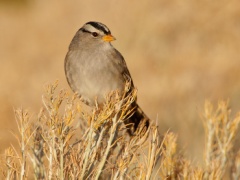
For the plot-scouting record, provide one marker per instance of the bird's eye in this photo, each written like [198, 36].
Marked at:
[95, 34]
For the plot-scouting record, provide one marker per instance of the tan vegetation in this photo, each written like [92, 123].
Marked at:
[98, 145]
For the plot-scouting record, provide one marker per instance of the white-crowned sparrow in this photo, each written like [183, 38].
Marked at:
[94, 68]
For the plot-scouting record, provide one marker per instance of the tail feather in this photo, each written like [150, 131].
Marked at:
[136, 119]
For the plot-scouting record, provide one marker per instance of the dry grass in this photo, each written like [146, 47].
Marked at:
[54, 146]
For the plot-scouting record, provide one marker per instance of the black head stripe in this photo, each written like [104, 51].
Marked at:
[100, 27]
[84, 30]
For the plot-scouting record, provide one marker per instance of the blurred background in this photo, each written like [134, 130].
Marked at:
[179, 53]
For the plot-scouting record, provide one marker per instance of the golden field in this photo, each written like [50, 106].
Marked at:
[179, 53]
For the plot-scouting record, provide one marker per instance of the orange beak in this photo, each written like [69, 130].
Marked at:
[108, 38]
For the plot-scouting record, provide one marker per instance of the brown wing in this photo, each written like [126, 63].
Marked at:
[125, 72]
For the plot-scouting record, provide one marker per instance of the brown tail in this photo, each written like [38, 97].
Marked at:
[137, 119]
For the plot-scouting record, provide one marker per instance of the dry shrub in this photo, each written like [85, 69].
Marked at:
[67, 142]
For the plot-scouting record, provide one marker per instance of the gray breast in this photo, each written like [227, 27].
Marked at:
[95, 75]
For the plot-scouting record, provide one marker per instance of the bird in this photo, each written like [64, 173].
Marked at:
[94, 68]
